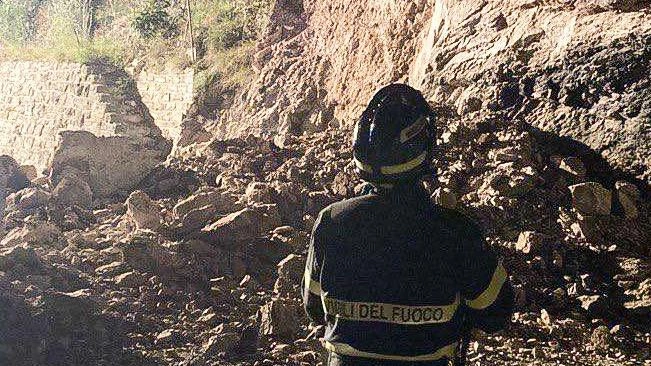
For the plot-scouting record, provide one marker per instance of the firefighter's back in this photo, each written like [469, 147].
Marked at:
[390, 278]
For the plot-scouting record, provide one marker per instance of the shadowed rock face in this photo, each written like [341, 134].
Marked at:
[576, 69]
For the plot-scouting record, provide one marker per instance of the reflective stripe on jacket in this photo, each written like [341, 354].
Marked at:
[389, 275]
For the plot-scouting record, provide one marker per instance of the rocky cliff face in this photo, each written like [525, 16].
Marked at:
[577, 69]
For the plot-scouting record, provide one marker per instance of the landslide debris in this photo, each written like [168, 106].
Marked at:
[200, 265]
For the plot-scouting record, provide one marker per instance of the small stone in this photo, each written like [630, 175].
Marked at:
[144, 212]
[595, 305]
[280, 318]
[573, 165]
[544, 317]
[628, 195]
[168, 337]
[445, 197]
[529, 242]
[129, 279]
[223, 342]
[591, 198]
[290, 272]
[601, 339]
[258, 192]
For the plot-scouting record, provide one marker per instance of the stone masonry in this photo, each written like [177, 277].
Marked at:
[168, 94]
[38, 100]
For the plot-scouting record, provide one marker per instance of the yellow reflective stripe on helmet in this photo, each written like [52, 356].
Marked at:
[389, 313]
[347, 350]
[404, 167]
[412, 130]
[312, 285]
[362, 166]
[486, 298]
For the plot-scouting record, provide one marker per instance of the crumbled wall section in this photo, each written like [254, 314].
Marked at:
[38, 100]
[168, 94]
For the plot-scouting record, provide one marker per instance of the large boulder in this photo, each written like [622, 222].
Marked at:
[111, 165]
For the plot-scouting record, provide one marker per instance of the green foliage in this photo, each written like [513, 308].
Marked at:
[12, 20]
[228, 23]
[155, 20]
[16, 20]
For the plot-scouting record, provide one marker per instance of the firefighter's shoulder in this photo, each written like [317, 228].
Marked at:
[459, 223]
[342, 210]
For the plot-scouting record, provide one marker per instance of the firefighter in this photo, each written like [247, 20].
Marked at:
[393, 277]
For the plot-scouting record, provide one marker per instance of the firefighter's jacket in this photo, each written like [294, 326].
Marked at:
[392, 275]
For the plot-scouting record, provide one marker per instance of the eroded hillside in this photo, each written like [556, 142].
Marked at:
[544, 116]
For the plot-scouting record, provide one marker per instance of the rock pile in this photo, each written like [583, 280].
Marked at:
[201, 264]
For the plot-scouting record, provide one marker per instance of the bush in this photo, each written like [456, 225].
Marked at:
[228, 23]
[155, 20]
[16, 20]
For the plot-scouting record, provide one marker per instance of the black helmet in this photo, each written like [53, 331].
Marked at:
[393, 138]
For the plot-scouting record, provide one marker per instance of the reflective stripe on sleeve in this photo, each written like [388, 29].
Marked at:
[404, 167]
[362, 166]
[312, 285]
[486, 298]
[389, 313]
[347, 350]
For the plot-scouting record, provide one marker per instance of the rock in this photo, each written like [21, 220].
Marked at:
[168, 337]
[224, 342]
[573, 165]
[529, 242]
[29, 171]
[111, 268]
[193, 132]
[342, 184]
[601, 339]
[245, 224]
[143, 212]
[31, 198]
[129, 279]
[280, 318]
[258, 192]
[19, 257]
[12, 179]
[628, 196]
[290, 273]
[72, 190]
[197, 218]
[219, 200]
[595, 305]
[591, 198]
[445, 197]
[39, 234]
[112, 164]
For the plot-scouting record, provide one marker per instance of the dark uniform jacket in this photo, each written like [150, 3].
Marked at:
[392, 276]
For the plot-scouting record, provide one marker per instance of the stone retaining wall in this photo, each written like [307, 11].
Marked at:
[38, 100]
[168, 94]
